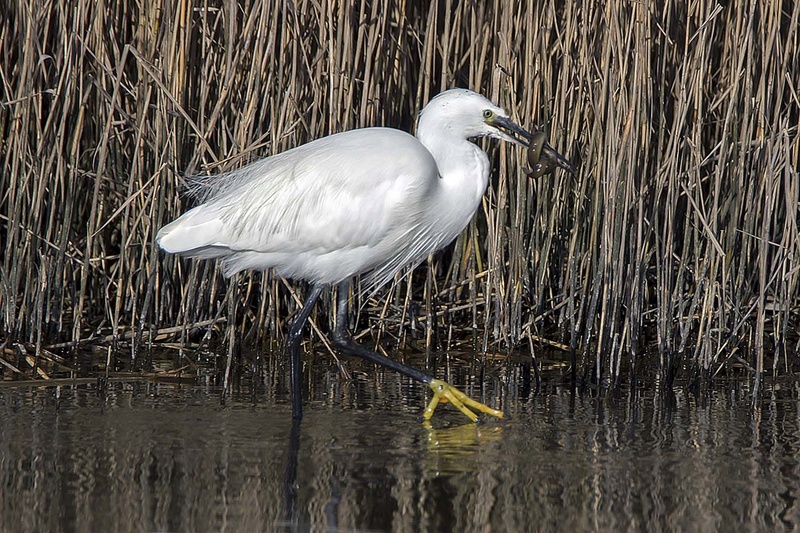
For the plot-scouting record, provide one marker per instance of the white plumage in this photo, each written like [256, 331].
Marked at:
[370, 200]
[367, 201]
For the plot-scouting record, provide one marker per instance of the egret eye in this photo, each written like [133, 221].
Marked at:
[488, 113]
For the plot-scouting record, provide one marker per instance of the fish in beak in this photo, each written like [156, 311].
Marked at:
[542, 158]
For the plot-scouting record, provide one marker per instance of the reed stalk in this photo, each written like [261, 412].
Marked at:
[676, 242]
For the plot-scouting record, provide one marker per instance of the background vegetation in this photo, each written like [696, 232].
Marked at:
[677, 242]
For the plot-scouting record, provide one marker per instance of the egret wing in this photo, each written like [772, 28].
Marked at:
[343, 192]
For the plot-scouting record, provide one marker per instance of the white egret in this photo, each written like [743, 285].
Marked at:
[363, 202]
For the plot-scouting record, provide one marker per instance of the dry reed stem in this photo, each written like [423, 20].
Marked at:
[678, 239]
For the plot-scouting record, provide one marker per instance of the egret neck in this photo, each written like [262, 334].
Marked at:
[463, 172]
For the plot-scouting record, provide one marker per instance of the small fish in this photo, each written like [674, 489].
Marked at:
[543, 159]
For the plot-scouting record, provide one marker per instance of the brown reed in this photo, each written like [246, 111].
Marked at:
[678, 239]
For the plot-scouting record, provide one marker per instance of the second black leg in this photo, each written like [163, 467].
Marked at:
[293, 343]
[345, 343]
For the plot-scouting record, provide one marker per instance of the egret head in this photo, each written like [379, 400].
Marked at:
[466, 114]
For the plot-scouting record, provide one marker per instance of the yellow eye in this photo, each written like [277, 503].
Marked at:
[488, 113]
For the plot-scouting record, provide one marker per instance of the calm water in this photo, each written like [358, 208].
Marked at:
[146, 456]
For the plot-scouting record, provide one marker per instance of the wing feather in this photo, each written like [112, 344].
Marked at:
[348, 191]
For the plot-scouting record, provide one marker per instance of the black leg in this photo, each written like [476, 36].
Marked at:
[293, 343]
[345, 343]
[290, 476]
[441, 390]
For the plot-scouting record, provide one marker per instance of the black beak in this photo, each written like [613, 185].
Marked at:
[542, 158]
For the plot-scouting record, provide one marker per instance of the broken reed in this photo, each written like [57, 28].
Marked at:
[680, 231]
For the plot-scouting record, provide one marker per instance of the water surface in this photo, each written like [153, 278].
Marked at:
[147, 456]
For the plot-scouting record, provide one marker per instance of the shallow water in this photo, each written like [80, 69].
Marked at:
[146, 456]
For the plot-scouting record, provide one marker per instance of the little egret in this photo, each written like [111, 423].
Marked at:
[363, 202]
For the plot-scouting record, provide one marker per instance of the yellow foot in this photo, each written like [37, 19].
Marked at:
[442, 392]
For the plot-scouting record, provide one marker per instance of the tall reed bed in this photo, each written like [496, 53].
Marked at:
[677, 240]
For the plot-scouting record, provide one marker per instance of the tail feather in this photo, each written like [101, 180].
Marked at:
[193, 234]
